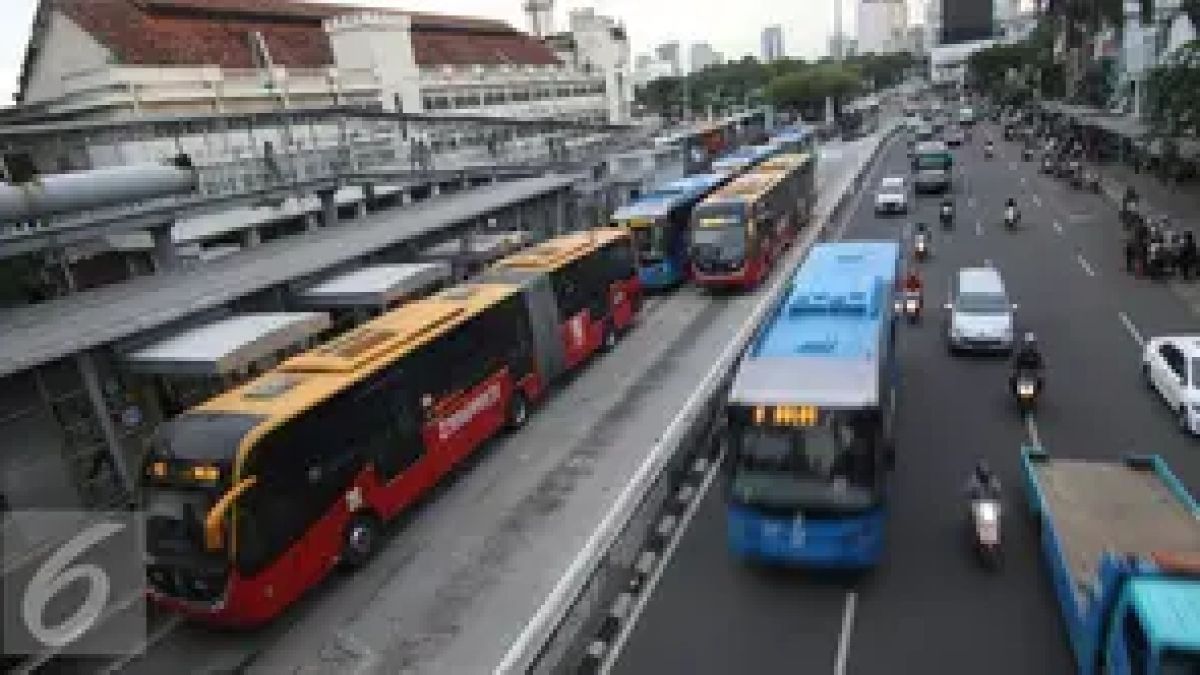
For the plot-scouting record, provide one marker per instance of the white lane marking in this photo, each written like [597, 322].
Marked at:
[152, 639]
[643, 599]
[1024, 180]
[979, 228]
[843, 647]
[1032, 430]
[1012, 166]
[1084, 264]
[971, 203]
[1133, 331]
[1058, 227]
[1036, 200]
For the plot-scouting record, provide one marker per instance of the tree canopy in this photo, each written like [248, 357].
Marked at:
[1173, 92]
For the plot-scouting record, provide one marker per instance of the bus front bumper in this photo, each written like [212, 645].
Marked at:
[852, 542]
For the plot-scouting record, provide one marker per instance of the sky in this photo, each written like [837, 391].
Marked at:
[732, 27]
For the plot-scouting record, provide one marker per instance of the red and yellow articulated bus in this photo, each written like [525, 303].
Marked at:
[738, 232]
[254, 496]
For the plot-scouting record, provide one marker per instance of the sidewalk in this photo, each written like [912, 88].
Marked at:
[1178, 201]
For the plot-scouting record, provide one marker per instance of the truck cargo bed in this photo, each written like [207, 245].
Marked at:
[1099, 507]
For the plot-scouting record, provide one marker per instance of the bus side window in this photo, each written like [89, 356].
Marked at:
[1136, 643]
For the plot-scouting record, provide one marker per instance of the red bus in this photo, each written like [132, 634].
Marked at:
[739, 231]
[254, 496]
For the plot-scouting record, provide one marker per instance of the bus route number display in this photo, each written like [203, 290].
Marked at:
[787, 415]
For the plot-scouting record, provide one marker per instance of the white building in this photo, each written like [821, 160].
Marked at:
[948, 63]
[115, 59]
[1143, 46]
[933, 23]
[702, 55]
[650, 69]
[882, 26]
[772, 43]
[599, 45]
[670, 53]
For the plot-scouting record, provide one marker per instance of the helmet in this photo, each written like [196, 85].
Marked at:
[982, 470]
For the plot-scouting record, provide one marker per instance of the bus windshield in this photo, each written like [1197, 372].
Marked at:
[651, 242]
[721, 238]
[829, 466]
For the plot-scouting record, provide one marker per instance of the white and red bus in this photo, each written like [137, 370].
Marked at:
[739, 231]
[254, 496]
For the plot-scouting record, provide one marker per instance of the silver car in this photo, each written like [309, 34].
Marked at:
[980, 314]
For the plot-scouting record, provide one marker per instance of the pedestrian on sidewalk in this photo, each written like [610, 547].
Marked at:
[1188, 256]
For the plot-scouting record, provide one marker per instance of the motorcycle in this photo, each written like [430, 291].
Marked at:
[921, 247]
[1047, 165]
[1091, 181]
[1027, 154]
[988, 150]
[985, 529]
[947, 216]
[911, 304]
[1025, 391]
[1011, 217]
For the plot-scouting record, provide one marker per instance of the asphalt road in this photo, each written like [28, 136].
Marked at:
[458, 579]
[929, 608]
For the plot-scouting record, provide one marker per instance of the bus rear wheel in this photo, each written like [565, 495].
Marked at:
[360, 540]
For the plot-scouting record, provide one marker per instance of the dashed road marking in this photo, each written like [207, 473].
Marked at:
[971, 203]
[1032, 430]
[843, 646]
[1058, 227]
[1036, 200]
[1133, 331]
[1084, 264]
[979, 228]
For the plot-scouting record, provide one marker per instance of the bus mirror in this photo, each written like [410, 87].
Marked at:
[214, 522]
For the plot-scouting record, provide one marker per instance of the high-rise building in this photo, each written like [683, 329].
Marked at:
[702, 55]
[772, 43]
[882, 26]
[966, 21]
[669, 52]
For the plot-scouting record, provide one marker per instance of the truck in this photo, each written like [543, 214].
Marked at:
[1121, 540]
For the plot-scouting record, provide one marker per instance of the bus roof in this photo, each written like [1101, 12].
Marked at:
[750, 186]
[821, 344]
[1169, 609]
[560, 251]
[660, 201]
[307, 378]
[750, 153]
[796, 133]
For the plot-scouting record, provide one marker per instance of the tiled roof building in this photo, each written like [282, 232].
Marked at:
[116, 58]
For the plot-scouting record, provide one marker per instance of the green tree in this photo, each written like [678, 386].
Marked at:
[1173, 93]
[806, 90]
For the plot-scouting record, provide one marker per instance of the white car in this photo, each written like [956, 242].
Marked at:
[980, 315]
[1171, 365]
[892, 196]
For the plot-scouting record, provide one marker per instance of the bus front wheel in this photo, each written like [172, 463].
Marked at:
[361, 540]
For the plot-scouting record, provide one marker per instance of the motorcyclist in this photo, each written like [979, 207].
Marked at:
[1011, 210]
[1188, 255]
[947, 209]
[982, 484]
[988, 148]
[1027, 359]
[912, 282]
[922, 232]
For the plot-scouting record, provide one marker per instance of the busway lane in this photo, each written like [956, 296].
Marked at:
[458, 576]
[711, 614]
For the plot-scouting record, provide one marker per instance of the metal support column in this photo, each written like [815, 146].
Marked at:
[559, 213]
[165, 256]
[329, 209]
[311, 221]
[86, 362]
[251, 237]
[435, 189]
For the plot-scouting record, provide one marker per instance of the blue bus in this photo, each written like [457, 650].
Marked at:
[811, 415]
[737, 161]
[658, 221]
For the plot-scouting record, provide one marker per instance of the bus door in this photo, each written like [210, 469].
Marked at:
[617, 269]
[550, 355]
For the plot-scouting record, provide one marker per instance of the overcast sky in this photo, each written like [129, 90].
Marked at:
[732, 26]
